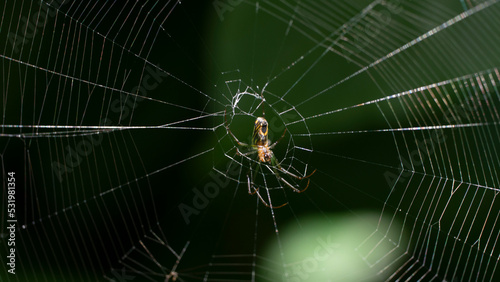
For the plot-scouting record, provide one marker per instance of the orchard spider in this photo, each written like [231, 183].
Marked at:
[263, 147]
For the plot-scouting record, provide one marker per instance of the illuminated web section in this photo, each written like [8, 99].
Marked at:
[119, 121]
[447, 184]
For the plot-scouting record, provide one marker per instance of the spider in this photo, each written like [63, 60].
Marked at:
[263, 147]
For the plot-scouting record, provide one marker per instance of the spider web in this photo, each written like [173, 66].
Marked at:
[114, 121]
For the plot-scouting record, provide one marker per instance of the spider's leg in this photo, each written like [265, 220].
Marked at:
[247, 153]
[256, 190]
[295, 176]
[276, 165]
[291, 186]
[275, 143]
[269, 206]
[252, 181]
[230, 132]
[277, 168]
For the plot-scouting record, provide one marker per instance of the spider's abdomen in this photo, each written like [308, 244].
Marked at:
[260, 132]
[265, 154]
